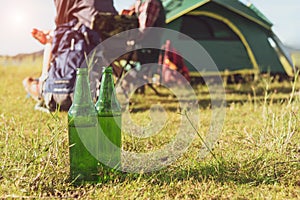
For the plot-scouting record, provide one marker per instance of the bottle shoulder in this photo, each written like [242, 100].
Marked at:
[81, 110]
[108, 107]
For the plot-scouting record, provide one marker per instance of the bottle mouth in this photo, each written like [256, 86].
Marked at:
[107, 70]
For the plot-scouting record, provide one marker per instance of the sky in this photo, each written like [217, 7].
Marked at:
[18, 17]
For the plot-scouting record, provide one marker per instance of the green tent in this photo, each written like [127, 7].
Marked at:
[238, 37]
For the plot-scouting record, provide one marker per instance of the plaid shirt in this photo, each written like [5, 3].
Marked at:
[147, 12]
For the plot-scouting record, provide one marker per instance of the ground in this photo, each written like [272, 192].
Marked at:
[256, 156]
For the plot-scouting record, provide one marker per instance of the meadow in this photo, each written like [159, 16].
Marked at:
[257, 154]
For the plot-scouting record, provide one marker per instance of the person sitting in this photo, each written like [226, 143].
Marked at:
[73, 14]
[150, 13]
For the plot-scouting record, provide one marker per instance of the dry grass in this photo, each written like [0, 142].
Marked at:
[257, 155]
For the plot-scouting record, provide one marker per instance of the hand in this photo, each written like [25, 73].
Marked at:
[42, 36]
[127, 12]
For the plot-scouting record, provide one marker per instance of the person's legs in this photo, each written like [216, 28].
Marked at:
[148, 57]
[33, 86]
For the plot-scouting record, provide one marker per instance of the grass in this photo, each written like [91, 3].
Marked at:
[296, 58]
[257, 155]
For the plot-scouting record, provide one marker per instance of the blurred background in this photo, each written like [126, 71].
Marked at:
[18, 17]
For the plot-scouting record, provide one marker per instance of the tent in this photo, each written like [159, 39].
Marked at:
[238, 37]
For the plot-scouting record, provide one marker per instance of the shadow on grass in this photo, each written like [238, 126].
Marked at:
[278, 93]
[204, 103]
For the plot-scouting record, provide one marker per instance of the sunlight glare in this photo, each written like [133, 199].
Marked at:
[18, 18]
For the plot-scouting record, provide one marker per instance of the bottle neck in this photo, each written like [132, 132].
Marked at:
[82, 94]
[107, 102]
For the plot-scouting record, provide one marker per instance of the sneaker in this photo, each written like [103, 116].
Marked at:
[32, 87]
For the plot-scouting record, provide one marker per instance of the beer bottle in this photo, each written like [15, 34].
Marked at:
[109, 119]
[83, 133]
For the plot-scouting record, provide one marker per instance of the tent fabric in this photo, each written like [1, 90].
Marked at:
[252, 14]
[181, 7]
[236, 36]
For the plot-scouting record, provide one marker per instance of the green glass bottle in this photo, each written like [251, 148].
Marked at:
[83, 133]
[109, 119]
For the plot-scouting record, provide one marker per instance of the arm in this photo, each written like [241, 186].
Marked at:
[45, 38]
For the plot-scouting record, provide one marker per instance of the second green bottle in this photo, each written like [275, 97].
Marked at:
[109, 119]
